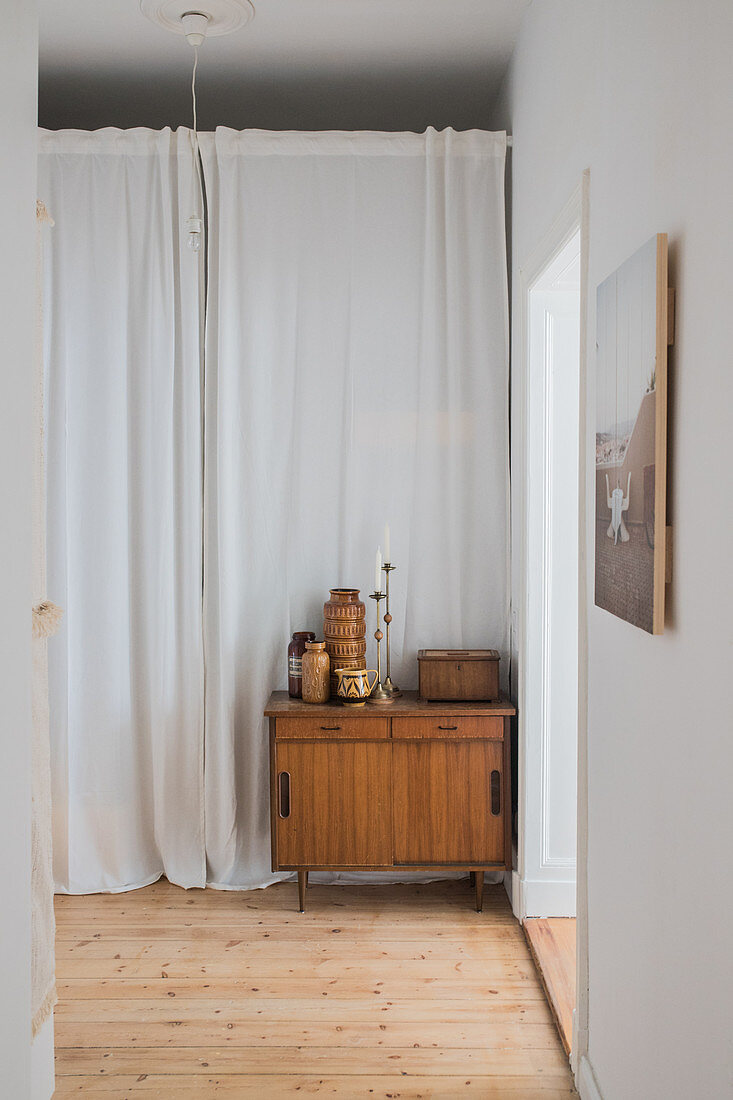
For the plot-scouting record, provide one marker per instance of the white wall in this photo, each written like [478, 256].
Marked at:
[641, 92]
[18, 53]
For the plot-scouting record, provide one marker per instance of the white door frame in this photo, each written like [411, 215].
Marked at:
[575, 214]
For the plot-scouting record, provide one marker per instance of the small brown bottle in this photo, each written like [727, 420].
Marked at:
[296, 649]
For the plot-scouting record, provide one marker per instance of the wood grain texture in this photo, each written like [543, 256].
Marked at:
[340, 806]
[267, 1087]
[444, 772]
[338, 725]
[280, 705]
[507, 795]
[446, 674]
[552, 942]
[660, 435]
[234, 1006]
[446, 727]
[441, 798]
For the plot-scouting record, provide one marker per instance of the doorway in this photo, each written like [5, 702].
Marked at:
[544, 886]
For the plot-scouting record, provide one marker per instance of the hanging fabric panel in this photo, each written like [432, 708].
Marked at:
[356, 373]
[124, 512]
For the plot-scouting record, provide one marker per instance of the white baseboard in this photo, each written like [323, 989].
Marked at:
[574, 1060]
[586, 1081]
[509, 886]
[515, 895]
[543, 898]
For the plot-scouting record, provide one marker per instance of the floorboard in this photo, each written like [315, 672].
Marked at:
[376, 991]
[552, 943]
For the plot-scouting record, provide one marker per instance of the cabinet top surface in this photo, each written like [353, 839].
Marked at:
[280, 705]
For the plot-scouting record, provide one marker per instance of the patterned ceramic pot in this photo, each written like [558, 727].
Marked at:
[354, 686]
[338, 650]
[316, 673]
[344, 629]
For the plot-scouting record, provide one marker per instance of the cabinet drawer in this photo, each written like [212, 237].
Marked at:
[336, 727]
[443, 727]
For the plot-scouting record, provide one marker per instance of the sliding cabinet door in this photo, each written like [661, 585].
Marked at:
[334, 803]
[448, 800]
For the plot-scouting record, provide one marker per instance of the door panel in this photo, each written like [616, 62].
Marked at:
[445, 810]
[340, 803]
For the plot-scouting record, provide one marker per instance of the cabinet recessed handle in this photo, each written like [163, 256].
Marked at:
[331, 728]
[496, 793]
[283, 792]
[447, 727]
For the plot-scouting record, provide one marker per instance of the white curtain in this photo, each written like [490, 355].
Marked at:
[356, 373]
[124, 512]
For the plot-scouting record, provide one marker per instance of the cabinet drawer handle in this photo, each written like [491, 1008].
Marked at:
[283, 794]
[447, 727]
[496, 793]
[330, 728]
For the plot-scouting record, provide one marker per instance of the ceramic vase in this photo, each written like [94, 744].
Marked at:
[316, 673]
[344, 629]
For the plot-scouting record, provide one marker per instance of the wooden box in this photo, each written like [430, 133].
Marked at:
[458, 674]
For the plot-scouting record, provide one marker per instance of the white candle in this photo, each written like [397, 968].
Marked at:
[387, 558]
[378, 571]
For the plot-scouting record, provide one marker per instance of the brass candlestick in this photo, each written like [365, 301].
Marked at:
[389, 687]
[379, 695]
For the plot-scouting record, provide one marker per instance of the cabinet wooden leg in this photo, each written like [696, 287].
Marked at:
[479, 884]
[302, 886]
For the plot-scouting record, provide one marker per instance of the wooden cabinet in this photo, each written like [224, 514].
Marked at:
[418, 785]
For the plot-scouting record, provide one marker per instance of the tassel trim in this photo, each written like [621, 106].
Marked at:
[44, 1010]
[42, 213]
[46, 619]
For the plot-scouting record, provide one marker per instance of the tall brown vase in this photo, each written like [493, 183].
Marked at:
[344, 629]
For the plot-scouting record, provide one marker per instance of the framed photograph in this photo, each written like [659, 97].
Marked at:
[631, 438]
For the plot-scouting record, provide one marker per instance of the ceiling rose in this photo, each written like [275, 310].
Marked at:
[223, 16]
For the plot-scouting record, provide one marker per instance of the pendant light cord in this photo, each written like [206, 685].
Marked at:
[193, 88]
[196, 181]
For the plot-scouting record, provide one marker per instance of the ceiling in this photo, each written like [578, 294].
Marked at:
[89, 47]
[112, 36]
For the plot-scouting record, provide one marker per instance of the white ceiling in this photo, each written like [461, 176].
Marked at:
[111, 38]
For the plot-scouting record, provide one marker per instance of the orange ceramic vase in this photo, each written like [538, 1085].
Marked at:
[344, 628]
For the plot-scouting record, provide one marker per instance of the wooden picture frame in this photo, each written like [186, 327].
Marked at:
[632, 336]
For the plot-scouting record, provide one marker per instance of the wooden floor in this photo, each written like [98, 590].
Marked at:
[552, 943]
[376, 991]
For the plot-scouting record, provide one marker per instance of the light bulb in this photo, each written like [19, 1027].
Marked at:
[194, 226]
